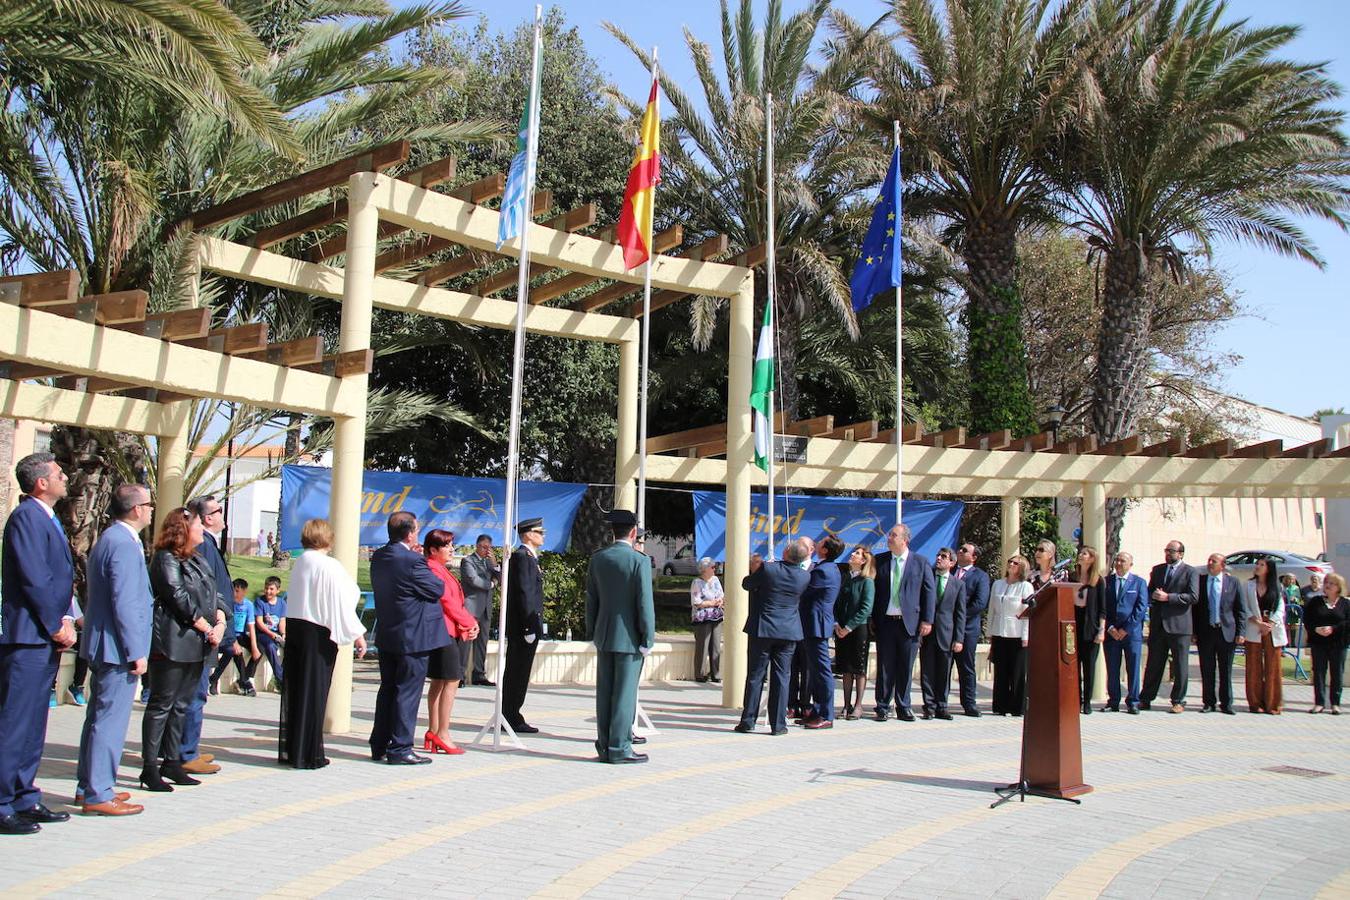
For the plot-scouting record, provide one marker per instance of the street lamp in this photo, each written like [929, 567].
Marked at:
[1053, 418]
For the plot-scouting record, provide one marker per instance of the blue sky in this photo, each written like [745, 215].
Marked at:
[1297, 321]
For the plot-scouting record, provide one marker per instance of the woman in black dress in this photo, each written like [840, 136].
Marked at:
[1090, 618]
[1326, 616]
[852, 613]
[320, 616]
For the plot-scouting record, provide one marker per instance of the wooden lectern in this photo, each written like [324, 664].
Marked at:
[1052, 746]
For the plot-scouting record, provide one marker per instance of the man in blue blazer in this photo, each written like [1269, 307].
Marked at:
[949, 631]
[1218, 625]
[36, 583]
[817, 612]
[409, 626]
[774, 626]
[976, 581]
[117, 620]
[1125, 603]
[902, 613]
[212, 513]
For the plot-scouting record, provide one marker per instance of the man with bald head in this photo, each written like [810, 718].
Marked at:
[902, 613]
[1216, 614]
[774, 627]
[1124, 603]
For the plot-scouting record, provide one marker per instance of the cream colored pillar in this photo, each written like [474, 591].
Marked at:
[625, 446]
[1094, 536]
[740, 461]
[349, 434]
[1011, 528]
[174, 455]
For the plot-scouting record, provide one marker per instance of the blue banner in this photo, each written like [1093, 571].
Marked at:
[466, 506]
[933, 524]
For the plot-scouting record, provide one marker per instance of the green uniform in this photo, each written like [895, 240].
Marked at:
[620, 619]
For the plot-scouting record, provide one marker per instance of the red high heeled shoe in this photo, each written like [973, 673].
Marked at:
[435, 744]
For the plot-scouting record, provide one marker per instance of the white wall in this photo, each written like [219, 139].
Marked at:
[1338, 511]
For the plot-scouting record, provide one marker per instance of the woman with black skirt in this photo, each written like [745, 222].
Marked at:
[447, 664]
[1008, 637]
[1090, 619]
[852, 615]
[320, 617]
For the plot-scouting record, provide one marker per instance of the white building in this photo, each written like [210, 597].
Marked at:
[251, 502]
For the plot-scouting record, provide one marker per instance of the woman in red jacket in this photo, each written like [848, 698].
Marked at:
[446, 667]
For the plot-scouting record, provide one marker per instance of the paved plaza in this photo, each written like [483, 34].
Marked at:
[1184, 806]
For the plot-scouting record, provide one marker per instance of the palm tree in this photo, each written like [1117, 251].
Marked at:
[1203, 133]
[979, 88]
[714, 176]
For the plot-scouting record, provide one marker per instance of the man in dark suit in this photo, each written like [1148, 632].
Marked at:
[117, 621]
[774, 625]
[1172, 587]
[817, 612]
[902, 613]
[976, 582]
[946, 638]
[1124, 603]
[478, 573]
[524, 622]
[1216, 616]
[36, 582]
[212, 513]
[621, 620]
[409, 626]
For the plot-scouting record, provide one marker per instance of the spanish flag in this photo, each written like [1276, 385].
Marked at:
[639, 198]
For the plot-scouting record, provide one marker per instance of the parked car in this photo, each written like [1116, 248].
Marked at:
[1241, 564]
[684, 562]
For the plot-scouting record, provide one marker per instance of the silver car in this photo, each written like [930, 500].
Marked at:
[1241, 564]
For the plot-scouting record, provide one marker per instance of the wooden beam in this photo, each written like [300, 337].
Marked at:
[374, 160]
[1034, 443]
[952, 437]
[858, 431]
[1220, 449]
[913, 434]
[179, 325]
[299, 352]
[482, 190]
[1312, 450]
[816, 427]
[426, 246]
[994, 440]
[118, 308]
[1079, 445]
[233, 341]
[17, 371]
[709, 249]
[463, 264]
[40, 288]
[1338, 454]
[661, 242]
[755, 256]
[48, 404]
[1175, 446]
[569, 281]
[1262, 450]
[340, 365]
[1123, 447]
[573, 220]
[692, 437]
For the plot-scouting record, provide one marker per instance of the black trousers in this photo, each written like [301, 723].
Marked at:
[1087, 672]
[965, 670]
[896, 649]
[244, 663]
[799, 680]
[401, 678]
[516, 680]
[935, 674]
[1328, 673]
[1216, 659]
[1010, 674]
[172, 688]
[774, 658]
[1160, 646]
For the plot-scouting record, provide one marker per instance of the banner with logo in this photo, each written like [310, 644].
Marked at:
[933, 524]
[466, 506]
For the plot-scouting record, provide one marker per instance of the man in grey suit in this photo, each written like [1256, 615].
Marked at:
[947, 636]
[1217, 612]
[117, 623]
[1172, 589]
[478, 572]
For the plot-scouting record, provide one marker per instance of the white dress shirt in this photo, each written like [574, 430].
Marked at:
[1007, 601]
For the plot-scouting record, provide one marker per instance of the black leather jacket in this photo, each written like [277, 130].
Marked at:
[185, 590]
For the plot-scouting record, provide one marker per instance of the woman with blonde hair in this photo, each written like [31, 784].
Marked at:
[852, 615]
[1326, 615]
[1263, 605]
[1090, 621]
[1008, 636]
[321, 617]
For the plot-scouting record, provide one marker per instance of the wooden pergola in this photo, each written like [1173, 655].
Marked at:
[107, 363]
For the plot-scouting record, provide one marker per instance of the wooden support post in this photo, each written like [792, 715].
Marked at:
[740, 460]
[625, 445]
[1011, 543]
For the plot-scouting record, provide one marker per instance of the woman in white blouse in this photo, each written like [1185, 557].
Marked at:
[1264, 634]
[705, 608]
[1008, 636]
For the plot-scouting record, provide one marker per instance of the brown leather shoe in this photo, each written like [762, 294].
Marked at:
[200, 766]
[206, 757]
[113, 807]
[124, 796]
[1178, 708]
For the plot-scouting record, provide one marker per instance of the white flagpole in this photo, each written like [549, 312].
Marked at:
[771, 291]
[899, 356]
[498, 724]
[646, 345]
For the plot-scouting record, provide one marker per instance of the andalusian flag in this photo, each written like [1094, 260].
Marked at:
[520, 178]
[639, 198]
[761, 391]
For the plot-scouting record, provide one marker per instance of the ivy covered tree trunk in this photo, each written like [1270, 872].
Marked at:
[1000, 396]
[1122, 362]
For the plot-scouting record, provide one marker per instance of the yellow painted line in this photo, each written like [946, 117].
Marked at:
[1337, 888]
[372, 857]
[1095, 874]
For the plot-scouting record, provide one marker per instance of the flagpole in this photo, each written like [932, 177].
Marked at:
[771, 290]
[510, 514]
[899, 348]
[646, 344]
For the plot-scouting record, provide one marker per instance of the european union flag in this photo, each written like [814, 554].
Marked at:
[878, 266]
